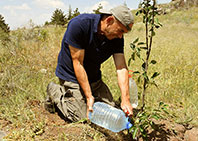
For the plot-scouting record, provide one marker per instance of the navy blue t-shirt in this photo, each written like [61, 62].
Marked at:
[82, 33]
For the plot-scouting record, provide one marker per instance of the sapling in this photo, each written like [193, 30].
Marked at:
[142, 120]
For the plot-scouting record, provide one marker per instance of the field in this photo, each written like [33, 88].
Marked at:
[28, 62]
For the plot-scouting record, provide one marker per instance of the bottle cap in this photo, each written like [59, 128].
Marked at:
[128, 125]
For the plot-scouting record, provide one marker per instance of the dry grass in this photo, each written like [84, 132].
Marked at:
[28, 63]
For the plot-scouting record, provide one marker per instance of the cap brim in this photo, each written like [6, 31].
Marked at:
[104, 11]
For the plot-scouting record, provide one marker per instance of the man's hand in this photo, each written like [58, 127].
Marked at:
[127, 108]
[90, 102]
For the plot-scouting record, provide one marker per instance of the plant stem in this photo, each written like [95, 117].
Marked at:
[148, 45]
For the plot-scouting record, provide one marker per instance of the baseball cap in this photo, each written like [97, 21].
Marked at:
[121, 13]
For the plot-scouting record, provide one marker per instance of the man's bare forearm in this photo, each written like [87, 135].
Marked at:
[82, 78]
[123, 83]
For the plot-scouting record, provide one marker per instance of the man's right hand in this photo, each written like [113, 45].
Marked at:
[90, 102]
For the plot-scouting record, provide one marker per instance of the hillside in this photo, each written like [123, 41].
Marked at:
[28, 62]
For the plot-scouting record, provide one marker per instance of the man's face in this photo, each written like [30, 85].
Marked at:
[116, 30]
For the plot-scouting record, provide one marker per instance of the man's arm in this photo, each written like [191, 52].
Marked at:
[81, 75]
[123, 82]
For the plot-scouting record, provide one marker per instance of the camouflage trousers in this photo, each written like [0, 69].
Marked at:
[69, 98]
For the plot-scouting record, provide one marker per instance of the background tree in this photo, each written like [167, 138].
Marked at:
[58, 18]
[69, 13]
[3, 25]
[75, 13]
[4, 31]
[72, 14]
[97, 11]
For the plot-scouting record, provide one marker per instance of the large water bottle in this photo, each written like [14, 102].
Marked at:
[133, 91]
[109, 117]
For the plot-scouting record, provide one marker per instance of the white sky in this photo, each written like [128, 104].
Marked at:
[17, 13]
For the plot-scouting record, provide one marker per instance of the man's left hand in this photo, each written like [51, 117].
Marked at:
[127, 108]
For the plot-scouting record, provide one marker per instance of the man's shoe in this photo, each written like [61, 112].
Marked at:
[49, 105]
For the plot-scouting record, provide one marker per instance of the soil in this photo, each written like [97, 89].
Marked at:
[57, 128]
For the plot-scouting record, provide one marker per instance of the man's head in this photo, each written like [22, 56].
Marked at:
[119, 21]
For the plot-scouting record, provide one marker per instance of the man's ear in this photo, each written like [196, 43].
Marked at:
[110, 20]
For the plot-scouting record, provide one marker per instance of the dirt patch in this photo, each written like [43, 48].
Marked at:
[57, 128]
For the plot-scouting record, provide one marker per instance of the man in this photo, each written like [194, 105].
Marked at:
[90, 39]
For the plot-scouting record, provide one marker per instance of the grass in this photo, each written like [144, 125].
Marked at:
[27, 65]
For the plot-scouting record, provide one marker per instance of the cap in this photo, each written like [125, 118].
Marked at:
[121, 13]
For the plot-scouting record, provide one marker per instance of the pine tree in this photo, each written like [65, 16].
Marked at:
[75, 13]
[58, 17]
[97, 11]
[3, 25]
[4, 31]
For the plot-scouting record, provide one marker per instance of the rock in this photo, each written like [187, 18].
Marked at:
[191, 135]
[2, 134]
[43, 71]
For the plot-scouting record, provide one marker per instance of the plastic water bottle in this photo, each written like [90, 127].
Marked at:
[109, 117]
[133, 91]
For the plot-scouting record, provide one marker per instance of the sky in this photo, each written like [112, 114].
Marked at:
[19, 13]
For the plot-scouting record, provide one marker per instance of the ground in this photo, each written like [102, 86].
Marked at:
[56, 128]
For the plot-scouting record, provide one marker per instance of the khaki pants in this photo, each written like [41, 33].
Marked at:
[70, 99]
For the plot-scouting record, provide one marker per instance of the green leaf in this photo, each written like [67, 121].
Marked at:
[138, 49]
[132, 46]
[135, 132]
[133, 56]
[161, 103]
[139, 79]
[155, 74]
[137, 13]
[153, 62]
[136, 72]
[157, 26]
[136, 40]
[157, 22]
[129, 61]
[141, 43]
[155, 117]
[144, 66]
[138, 54]
[145, 76]
[153, 33]
[144, 48]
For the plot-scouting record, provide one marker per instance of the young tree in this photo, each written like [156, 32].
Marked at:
[142, 50]
[58, 17]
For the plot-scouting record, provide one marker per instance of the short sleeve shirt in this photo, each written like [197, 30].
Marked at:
[82, 33]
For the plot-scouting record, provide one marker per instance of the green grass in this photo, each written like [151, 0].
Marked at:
[27, 65]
